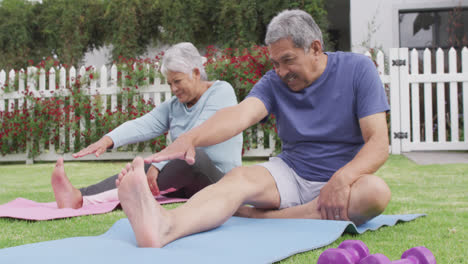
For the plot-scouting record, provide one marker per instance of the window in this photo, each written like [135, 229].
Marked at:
[442, 28]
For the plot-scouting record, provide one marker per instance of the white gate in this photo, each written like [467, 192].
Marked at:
[429, 108]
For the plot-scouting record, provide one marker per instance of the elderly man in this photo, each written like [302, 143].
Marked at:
[330, 113]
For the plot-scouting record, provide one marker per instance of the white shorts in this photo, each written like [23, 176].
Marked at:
[293, 189]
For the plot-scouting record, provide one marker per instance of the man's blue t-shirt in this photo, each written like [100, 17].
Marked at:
[319, 125]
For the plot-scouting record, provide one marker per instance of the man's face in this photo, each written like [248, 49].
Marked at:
[295, 67]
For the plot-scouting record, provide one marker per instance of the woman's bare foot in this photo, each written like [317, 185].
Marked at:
[149, 220]
[66, 195]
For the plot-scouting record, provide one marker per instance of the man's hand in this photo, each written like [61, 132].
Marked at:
[152, 176]
[182, 148]
[334, 197]
[98, 147]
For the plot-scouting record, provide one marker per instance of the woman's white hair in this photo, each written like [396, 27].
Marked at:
[295, 24]
[183, 57]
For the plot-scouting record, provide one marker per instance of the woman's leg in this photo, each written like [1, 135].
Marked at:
[177, 174]
[104, 191]
[188, 179]
[67, 196]
[104, 185]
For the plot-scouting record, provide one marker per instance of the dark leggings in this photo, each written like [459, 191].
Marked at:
[187, 179]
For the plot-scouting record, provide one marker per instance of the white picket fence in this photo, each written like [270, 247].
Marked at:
[107, 87]
[429, 110]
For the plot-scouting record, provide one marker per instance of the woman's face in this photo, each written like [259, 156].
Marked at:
[184, 87]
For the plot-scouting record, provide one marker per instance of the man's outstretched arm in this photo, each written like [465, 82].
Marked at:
[223, 125]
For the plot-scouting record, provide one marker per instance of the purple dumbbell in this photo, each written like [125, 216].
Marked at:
[416, 255]
[348, 252]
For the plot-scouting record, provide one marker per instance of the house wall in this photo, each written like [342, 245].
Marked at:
[374, 23]
[103, 55]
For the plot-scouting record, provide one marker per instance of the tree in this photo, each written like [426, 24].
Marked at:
[191, 22]
[242, 23]
[131, 25]
[17, 45]
[70, 28]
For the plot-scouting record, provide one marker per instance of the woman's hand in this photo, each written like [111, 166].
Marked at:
[98, 147]
[152, 176]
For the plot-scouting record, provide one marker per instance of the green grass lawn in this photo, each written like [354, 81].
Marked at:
[440, 191]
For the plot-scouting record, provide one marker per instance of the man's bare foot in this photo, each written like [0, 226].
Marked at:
[122, 174]
[66, 195]
[149, 220]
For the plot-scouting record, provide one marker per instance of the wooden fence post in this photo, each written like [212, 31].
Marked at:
[102, 86]
[93, 95]
[404, 100]
[441, 129]
[453, 98]
[31, 73]
[394, 101]
[465, 93]
[114, 87]
[52, 85]
[82, 121]
[416, 129]
[2, 85]
[70, 121]
[21, 87]
[61, 90]
[427, 98]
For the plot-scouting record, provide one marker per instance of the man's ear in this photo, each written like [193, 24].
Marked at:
[316, 47]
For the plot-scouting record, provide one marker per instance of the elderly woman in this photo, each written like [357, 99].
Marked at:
[195, 100]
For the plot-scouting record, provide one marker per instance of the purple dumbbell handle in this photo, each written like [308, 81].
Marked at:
[382, 259]
[375, 259]
[406, 261]
[416, 255]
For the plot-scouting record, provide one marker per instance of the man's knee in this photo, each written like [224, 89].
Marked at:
[252, 179]
[241, 174]
[370, 196]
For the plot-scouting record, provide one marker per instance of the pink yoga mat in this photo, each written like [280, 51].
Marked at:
[21, 208]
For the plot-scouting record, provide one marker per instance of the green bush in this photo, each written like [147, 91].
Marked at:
[17, 42]
[68, 29]
[242, 69]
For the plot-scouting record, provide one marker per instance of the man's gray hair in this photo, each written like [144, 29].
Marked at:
[295, 24]
[183, 57]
